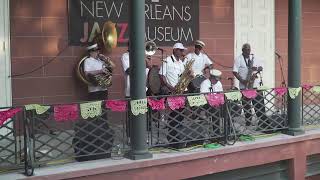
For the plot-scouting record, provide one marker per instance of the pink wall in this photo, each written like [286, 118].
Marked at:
[39, 31]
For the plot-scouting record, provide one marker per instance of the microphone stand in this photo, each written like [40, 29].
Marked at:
[283, 83]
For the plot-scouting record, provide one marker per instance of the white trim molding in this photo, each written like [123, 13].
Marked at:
[5, 58]
[255, 24]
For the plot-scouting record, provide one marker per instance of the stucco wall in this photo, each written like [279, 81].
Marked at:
[39, 31]
[310, 39]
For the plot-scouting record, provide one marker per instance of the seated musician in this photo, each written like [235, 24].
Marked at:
[201, 60]
[212, 82]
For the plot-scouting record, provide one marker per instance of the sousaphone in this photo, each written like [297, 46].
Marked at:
[108, 40]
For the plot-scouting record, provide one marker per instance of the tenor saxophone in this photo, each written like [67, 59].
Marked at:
[250, 76]
[185, 78]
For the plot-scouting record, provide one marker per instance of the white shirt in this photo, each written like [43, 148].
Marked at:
[172, 69]
[241, 68]
[125, 65]
[200, 62]
[207, 87]
[92, 64]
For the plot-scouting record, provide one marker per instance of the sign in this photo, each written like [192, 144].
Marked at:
[167, 21]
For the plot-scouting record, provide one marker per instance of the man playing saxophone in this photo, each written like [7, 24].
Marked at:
[246, 69]
[170, 74]
[171, 71]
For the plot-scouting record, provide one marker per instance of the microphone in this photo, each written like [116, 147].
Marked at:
[277, 54]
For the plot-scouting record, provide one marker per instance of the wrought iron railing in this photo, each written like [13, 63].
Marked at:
[310, 108]
[80, 140]
[30, 140]
[187, 125]
[264, 114]
[12, 143]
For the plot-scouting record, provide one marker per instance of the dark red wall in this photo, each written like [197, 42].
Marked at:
[39, 31]
[310, 39]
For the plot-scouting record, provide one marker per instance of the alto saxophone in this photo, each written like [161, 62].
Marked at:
[185, 78]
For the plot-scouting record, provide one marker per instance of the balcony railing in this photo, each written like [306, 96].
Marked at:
[30, 139]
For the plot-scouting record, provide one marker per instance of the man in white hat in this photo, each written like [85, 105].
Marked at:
[170, 73]
[93, 65]
[201, 59]
[212, 82]
[172, 68]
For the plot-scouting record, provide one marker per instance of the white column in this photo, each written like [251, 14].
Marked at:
[5, 60]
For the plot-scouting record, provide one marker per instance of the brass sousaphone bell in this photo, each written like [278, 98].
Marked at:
[107, 39]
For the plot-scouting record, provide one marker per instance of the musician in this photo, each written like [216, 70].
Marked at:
[125, 61]
[212, 82]
[172, 69]
[240, 71]
[93, 65]
[126, 69]
[201, 59]
[170, 73]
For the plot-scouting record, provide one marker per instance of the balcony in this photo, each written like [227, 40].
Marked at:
[185, 131]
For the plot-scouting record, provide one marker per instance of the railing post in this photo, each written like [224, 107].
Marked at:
[139, 148]
[294, 61]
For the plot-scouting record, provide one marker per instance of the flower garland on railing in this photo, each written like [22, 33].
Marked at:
[8, 114]
[140, 106]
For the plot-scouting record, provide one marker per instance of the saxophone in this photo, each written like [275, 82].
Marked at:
[185, 79]
[250, 76]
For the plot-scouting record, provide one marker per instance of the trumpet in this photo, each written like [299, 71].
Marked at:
[151, 48]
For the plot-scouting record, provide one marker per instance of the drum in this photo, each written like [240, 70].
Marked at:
[153, 81]
[194, 86]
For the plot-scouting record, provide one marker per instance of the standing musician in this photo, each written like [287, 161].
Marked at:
[96, 64]
[125, 61]
[170, 74]
[249, 79]
[201, 61]
[126, 69]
